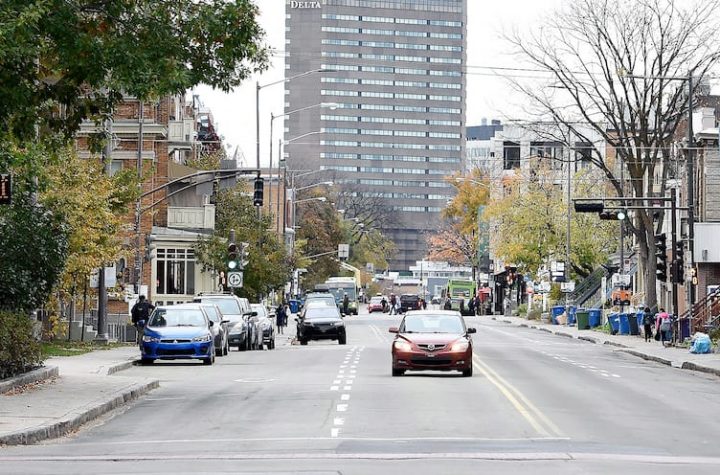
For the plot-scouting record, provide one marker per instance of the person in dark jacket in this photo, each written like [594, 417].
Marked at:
[140, 312]
[648, 321]
[281, 318]
[448, 304]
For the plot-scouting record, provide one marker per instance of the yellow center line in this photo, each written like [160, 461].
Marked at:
[513, 400]
[548, 423]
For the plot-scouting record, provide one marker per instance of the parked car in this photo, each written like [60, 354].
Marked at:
[375, 305]
[436, 300]
[432, 340]
[178, 332]
[219, 328]
[266, 323]
[409, 302]
[243, 329]
[319, 321]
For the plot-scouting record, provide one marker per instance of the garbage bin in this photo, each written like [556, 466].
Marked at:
[595, 317]
[614, 322]
[572, 310]
[294, 305]
[684, 329]
[633, 322]
[557, 310]
[624, 324]
[640, 315]
[583, 319]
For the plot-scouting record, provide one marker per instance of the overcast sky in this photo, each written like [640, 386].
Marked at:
[488, 95]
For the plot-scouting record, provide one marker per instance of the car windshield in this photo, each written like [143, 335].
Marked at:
[318, 302]
[432, 324]
[177, 317]
[326, 311]
[212, 312]
[260, 309]
[376, 300]
[227, 306]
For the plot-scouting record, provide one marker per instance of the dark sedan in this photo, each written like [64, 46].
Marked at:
[432, 340]
[320, 322]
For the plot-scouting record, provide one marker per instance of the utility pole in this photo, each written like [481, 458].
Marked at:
[102, 334]
[138, 203]
[690, 189]
[257, 135]
[673, 233]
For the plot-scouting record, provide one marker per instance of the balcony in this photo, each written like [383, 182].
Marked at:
[181, 134]
[201, 218]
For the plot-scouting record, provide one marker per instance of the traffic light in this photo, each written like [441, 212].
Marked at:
[661, 257]
[589, 207]
[258, 194]
[613, 215]
[232, 256]
[244, 255]
[679, 263]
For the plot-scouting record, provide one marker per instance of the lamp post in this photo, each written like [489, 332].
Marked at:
[258, 87]
[329, 105]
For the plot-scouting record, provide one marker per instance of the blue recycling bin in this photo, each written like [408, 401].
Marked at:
[572, 310]
[624, 324]
[640, 315]
[595, 317]
[294, 305]
[684, 329]
[614, 322]
[555, 312]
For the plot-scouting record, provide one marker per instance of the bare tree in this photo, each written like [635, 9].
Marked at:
[372, 210]
[613, 66]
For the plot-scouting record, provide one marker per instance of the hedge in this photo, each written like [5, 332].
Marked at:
[19, 350]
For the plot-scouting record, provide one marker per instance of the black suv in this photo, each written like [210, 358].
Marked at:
[409, 302]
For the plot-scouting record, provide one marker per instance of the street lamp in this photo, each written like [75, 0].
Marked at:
[329, 105]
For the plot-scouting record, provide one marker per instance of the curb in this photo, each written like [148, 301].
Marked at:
[566, 335]
[703, 369]
[645, 356]
[33, 376]
[120, 366]
[588, 338]
[82, 416]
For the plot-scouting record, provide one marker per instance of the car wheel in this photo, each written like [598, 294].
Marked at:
[146, 361]
[342, 339]
[226, 348]
[243, 346]
[303, 341]
[398, 372]
[468, 372]
[218, 351]
[271, 346]
[208, 361]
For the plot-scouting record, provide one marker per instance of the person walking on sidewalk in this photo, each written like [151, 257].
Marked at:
[648, 320]
[663, 326]
[140, 311]
[281, 318]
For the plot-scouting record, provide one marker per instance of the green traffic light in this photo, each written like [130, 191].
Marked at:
[232, 265]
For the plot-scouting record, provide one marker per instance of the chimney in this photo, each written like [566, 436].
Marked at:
[483, 121]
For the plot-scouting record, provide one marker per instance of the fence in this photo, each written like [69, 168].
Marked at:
[118, 326]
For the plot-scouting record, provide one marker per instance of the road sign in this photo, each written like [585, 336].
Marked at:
[620, 280]
[235, 279]
[567, 287]
[343, 251]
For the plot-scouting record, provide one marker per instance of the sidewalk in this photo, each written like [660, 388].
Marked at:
[84, 390]
[634, 345]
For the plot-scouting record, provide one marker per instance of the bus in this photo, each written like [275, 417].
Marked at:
[339, 286]
[458, 289]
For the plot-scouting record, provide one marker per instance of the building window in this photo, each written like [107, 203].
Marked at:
[511, 155]
[175, 272]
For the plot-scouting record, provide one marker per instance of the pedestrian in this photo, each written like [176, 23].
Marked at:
[393, 302]
[448, 304]
[648, 320]
[424, 304]
[462, 306]
[281, 318]
[384, 304]
[663, 326]
[140, 312]
[471, 305]
[346, 304]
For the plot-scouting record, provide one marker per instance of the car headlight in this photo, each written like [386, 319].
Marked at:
[151, 339]
[460, 346]
[203, 338]
[402, 345]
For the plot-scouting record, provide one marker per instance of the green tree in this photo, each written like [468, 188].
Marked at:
[267, 268]
[80, 57]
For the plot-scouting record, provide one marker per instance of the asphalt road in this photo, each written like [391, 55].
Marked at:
[537, 402]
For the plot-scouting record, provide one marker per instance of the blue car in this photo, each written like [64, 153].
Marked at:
[178, 332]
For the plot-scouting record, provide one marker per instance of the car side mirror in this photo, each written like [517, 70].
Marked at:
[210, 323]
[225, 321]
[471, 330]
[297, 319]
[393, 330]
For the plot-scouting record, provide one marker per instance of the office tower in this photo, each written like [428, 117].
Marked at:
[394, 70]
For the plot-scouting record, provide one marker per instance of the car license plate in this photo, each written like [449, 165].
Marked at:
[430, 355]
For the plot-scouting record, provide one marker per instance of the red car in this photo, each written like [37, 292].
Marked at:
[432, 340]
[375, 305]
